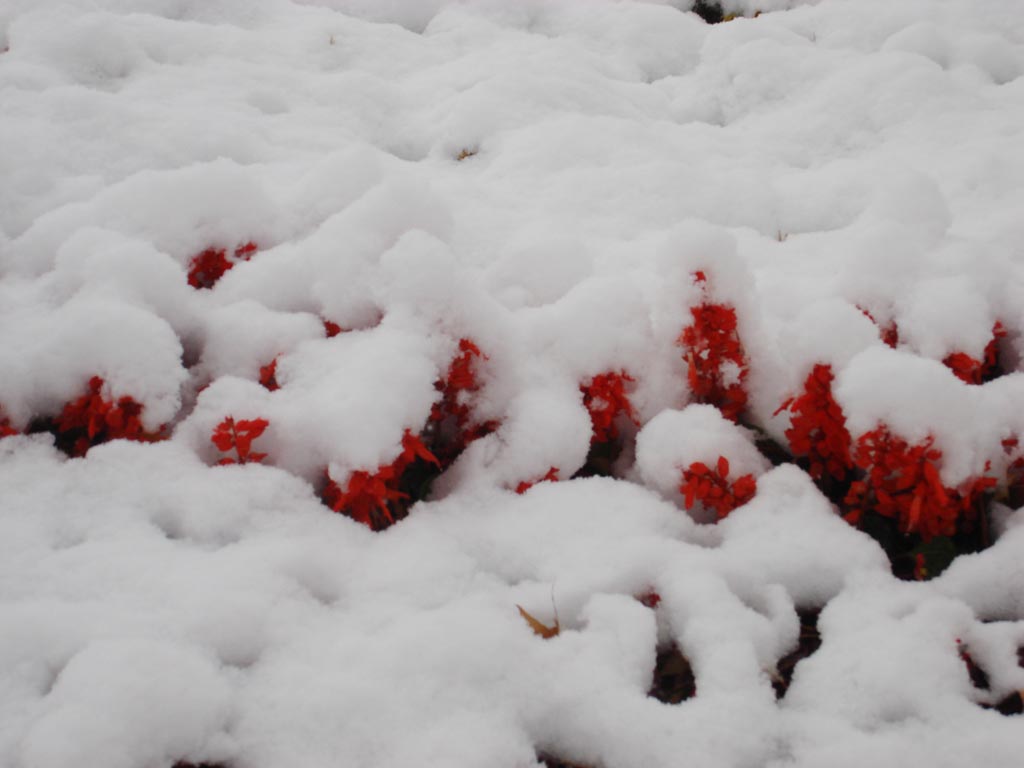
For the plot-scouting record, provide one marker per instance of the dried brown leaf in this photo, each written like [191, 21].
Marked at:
[539, 627]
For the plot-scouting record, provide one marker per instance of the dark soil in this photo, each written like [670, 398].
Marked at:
[673, 681]
[810, 641]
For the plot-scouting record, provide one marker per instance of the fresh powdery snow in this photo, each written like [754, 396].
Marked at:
[393, 383]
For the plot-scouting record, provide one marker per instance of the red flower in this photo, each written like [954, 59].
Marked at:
[369, 497]
[818, 427]
[974, 371]
[711, 487]
[268, 376]
[902, 482]
[238, 436]
[209, 266]
[605, 398]
[452, 417]
[332, 329]
[889, 334]
[650, 598]
[550, 477]
[461, 378]
[716, 362]
[90, 420]
[363, 494]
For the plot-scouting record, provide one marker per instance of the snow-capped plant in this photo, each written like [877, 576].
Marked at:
[606, 399]
[713, 489]
[902, 482]
[716, 363]
[817, 429]
[238, 436]
[452, 424]
[375, 498]
[93, 419]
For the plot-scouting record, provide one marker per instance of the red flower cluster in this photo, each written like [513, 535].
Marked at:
[605, 398]
[90, 420]
[902, 482]
[974, 371]
[268, 376]
[368, 497]
[818, 427]
[238, 436]
[208, 267]
[451, 416]
[711, 487]
[717, 364]
[550, 477]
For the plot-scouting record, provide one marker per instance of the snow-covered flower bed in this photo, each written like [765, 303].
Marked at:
[511, 383]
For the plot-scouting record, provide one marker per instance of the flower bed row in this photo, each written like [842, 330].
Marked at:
[878, 480]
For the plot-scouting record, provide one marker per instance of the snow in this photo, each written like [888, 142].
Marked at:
[542, 179]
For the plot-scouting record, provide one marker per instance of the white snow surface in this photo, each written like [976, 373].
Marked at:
[542, 178]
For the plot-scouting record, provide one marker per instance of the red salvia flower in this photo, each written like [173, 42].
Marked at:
[716, 362]
[818, 427]
[368, 497]
[268, 376]
[711, 487]
[902, 482]
[889, 334]
[550, 477]
[238, 436]
[364, 494]
[451, 416]
[973, 371]
[332, 329]
[605, 398]
[91, 419]
[461, 378]
[209, 266]
[965, 367]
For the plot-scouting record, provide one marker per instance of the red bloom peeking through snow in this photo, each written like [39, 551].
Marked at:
[268, 376]
[91, 419]
[974, 371]
[711, 487]
[604, 397]
[332, 329]
[818, 427]
[373, 498]
[716, 362]
[238, 436]
[451, 418]
[903, 483]
[650, 598]
[550, 477]
[6, 430]
[209, 266]
[460, 382]
[889, 333]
